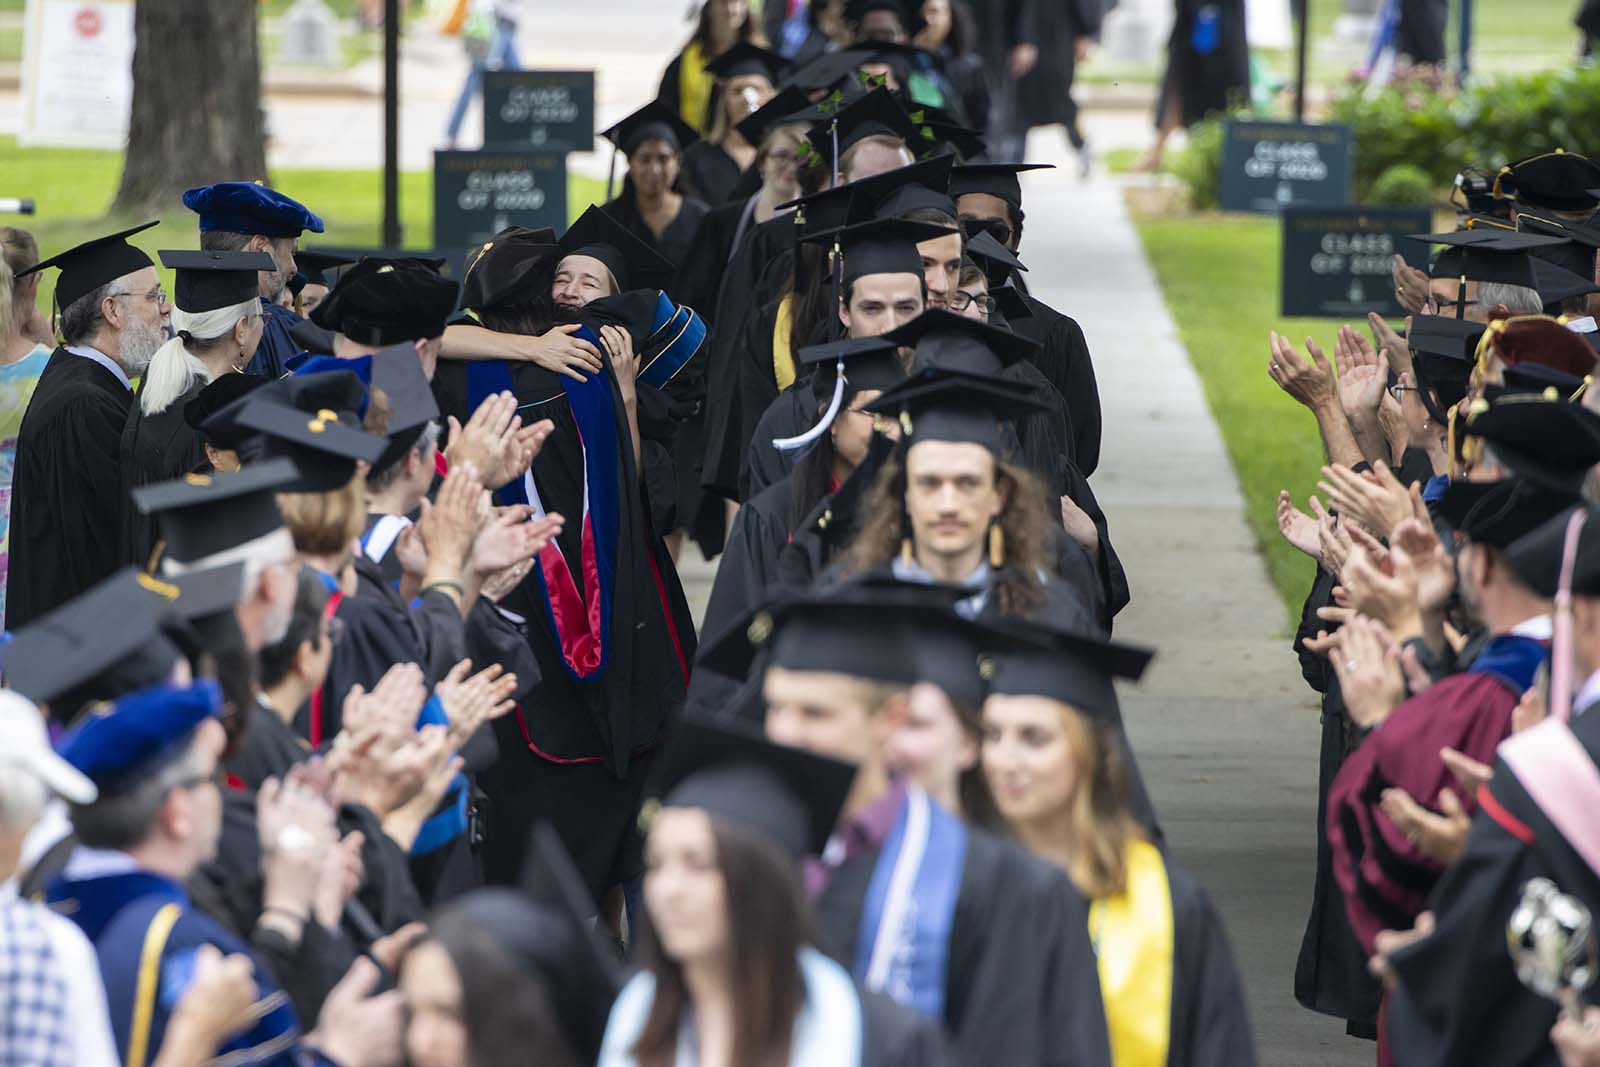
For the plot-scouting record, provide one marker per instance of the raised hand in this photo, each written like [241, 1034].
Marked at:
[1436, 572]
[342, 874]
[219, 1002]
[393, 704]
[471, 701]
[1441, 836]
[1410, 285]
[356, 1028]
[1298, 528]
[1375, 498]
[295, 825]
[624, 362]
[511, 538]
[1385, 339]
[1311, 382]
[449, 525]
[1368, 666]
[1385, 593]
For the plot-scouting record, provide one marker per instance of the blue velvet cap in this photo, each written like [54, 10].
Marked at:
[119, 747]
[245, 207]
[361, 367]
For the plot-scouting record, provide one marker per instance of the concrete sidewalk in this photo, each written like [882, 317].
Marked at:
[1223, 727]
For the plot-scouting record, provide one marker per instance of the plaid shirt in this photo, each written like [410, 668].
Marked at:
[36, 1025]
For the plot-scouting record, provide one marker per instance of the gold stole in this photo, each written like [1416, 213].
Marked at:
[1133, 938]
[694, 88]
[782, 350]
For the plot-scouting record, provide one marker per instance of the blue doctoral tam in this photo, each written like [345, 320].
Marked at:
[245, 207]
[122, 745]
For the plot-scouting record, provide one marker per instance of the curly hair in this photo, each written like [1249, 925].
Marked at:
[1025, 522]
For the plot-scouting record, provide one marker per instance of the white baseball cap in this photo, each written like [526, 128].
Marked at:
[25, 745]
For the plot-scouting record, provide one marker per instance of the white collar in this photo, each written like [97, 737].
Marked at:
[104, 360]
[1583, 325]
[1588, 693]
[86, 862]
[1540, 628]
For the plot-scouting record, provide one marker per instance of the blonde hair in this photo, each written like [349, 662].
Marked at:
[1097, 811]
[18, 252]
[325, 524]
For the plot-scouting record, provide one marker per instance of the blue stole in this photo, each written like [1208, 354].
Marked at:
[450, 821]
[580, 621]
[903, 945]
[1513, 659]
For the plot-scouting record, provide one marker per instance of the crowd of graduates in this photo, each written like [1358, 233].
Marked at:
[354, 712]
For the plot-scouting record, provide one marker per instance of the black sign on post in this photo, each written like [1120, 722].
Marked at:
[552, 109]
[1269, 166]
[1337, 261]
[478, 194]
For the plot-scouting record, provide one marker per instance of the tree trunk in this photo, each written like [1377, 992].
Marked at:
[196, 112]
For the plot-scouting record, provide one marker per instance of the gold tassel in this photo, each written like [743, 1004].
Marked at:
[906, 553]
[997, 546]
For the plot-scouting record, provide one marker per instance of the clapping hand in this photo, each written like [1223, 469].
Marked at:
[469, 702]
[393, 704]
[1298, 528]
[1367, 663]
[1312, 382]
[1363, 374]
[1388, 942]
[1578, 1043]
[357, 1028]
[295, 825]
[1441, 836]
[449, 525]
[1375, 498]
[495, 442]
[1410, 285]
[219, 1002]
[1385, 339]
[342, 875]
[513, 538]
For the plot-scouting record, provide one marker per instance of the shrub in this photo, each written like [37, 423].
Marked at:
[1403, 185]
[1199, 165]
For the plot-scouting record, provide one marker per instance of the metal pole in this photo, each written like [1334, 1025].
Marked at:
[391, 124]
[1464, 46]
[1300, 61]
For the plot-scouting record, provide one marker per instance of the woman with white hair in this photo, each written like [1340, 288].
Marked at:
[216, 322]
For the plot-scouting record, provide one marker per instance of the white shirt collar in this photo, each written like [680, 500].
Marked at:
[104, 360]
[1540, 628]
[1583, 325]
[86, 862]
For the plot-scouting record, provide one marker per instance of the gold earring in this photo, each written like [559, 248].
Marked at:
[906, 554]
[997, 546]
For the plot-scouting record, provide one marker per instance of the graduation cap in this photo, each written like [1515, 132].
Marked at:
[123, 747]
[206, 281]
[875, 114]
[1012, 305]
[354, 402]
[903, 189]
[952, 136]
[249, 208]
[653, 122]
[882, 246]
[823, 211]
[910, 17]
[1548, 441]
[997, 262]
[745, 59]
[221, 393]
[948, 341]
[201, 515]
[398, 372]
[1038, 658]
[312, 339]
[860, 362]
[1536, 557]
[1500, 512]
[779, 111]
[498, 270]
[995, 179]
[1446, 337]
[827, 69]
[788, 795]
[1521, 378]
[1559, 181]
[956, 406]
[1556, 283]
[1486, 256]
[386, 301]
[315, 265]
[632, 263]
[86, 267]
[309, 419]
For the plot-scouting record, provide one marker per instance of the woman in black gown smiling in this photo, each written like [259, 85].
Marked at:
[653, 139]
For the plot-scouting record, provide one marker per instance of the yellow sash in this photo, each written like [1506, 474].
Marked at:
[1133, 940]
[144, 997]
[694, 88]
[782, 353]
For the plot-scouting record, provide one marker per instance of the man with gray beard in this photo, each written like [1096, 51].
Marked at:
[64, 496]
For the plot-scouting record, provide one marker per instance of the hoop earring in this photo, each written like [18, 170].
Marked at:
[997, 546]
[907, 555]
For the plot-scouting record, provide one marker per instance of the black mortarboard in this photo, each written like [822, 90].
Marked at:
[398, 372]
[1499, 513]
[1012, 305]
[653, 122]
[498, 270]
[1547, 441]
[903, 189]
[221, 393]
[996, 179]
[944, 645]
[964, 141]
[910, 17]
[312, 339]
[876, 113]
[309, 419]
[206, 281]
[869, 363]
[940, 405]
[883, 246]
[1446, 337]
[789, 795]
[632, 263]
[779, 111]
[104, 642]
[315, 265]
[86, 267]
[826, 210]
[997, 262]
[948, 341]
[1487, 256]
[1536, 557]
[203, 514]
[1036, 658]
[386, 301]
[745, 58]
[1559, 181]
[828, 69]
[1556, 282]
[1588, 236]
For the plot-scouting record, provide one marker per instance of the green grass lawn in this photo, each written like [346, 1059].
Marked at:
[74, 188]
[1220, 279]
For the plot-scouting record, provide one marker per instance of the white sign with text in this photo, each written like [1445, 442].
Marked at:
[77, 73]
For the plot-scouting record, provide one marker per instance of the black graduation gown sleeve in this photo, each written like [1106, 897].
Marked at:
[376, 637]
[709, 174]
[1209, 1021]
[155, 448]
[66, 486]
[1021, 982]
[792, 412]
[894, 1036]
[740, 388]
[1065, 362]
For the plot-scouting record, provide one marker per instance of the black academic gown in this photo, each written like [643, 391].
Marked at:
[709, 174]
[579, 753]
[1020, 982]
[155, 448]
[1065, 361]
[1044, 96]
[1209, 1024]
[66, 490]
[674, 243]
[1459, 1001]
[1208, 62]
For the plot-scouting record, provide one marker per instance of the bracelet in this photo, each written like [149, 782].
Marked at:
[461, 593]
[296, 916]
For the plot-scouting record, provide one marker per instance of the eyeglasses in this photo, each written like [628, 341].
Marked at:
[999, 229]
[961, 300]
[157, 294]
[783, 155]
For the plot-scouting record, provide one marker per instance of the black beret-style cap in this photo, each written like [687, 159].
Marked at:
[386, 301]
[206, 281]
[1536, 557]
[86, 267]
[498, 271]
[1036, 658]
[1559, 181]
[203, 514]
[1548, 441]
[1498, 513]
[653, 122]
[789, 795]
[632, 263]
